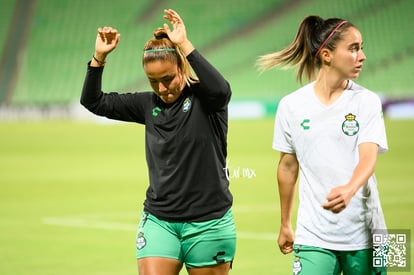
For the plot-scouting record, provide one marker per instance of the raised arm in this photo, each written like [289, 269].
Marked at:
[215, 88]
[106, 41]
[126, 106]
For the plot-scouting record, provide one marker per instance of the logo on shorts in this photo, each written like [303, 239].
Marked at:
[218, 255]
[141, 242]
[297, 266]
[350, 126]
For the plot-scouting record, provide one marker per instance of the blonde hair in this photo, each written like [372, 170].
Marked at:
[162, 48]
[314, 33]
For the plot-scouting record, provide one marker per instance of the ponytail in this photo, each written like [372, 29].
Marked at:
[314, 33]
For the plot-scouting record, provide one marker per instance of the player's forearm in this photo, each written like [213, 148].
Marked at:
[98, 59]
[365, 167]
[186, 47]
[287, 195]
[91, 90]
[287, 175]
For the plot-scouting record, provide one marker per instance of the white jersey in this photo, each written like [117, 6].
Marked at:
[325, 140]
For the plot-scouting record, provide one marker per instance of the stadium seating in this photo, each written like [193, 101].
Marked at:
[231, 34]
[6, 14]
[378, 39]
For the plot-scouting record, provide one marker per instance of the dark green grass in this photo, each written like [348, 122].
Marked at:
[71, 195]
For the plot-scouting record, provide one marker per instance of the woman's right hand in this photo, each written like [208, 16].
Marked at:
[106, 41]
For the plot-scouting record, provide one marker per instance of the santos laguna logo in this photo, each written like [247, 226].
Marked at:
[350, 126]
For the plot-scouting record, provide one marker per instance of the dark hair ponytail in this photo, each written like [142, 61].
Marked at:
[302, 52]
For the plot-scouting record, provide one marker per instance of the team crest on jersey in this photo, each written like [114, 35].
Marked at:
[186, 105]
[297, 266]
[350, 126]
[141, 242]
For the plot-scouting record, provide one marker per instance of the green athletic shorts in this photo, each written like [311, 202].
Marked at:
[310, 260]
[197, 244]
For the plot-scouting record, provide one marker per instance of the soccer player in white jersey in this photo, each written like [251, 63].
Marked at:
[329, 133]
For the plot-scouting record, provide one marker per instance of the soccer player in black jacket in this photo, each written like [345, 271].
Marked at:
[187, 216]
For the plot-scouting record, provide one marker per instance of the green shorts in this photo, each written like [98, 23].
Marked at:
[310, 260]
[197, 244]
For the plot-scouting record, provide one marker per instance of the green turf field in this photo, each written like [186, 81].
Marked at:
[71, 195]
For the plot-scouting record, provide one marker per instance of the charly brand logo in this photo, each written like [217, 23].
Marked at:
[350, 126]
[156, 111]
[305, 124]
[186, 105]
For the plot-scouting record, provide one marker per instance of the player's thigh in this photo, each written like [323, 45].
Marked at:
[220, 269]
[210, 243]
[157, 265]
[310, 260]
[157, 238]
[360, 262]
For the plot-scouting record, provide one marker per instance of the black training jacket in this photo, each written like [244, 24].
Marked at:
[186, 142]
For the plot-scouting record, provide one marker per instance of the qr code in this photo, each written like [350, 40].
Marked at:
[391, 249]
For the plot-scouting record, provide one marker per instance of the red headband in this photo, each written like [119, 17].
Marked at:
[329, 37]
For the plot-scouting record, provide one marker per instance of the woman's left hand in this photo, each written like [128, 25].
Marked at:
[179, 34]
[338, 199]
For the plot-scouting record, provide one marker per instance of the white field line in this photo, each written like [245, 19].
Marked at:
[88, 223]
[96, 222]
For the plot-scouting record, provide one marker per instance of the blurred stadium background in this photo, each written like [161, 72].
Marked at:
[45, 45]
[71, 189]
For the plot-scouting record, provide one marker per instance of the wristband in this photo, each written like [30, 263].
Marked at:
[101, 63]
